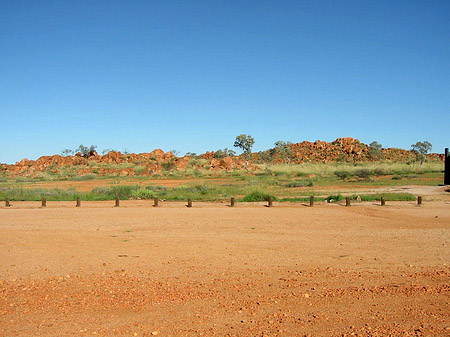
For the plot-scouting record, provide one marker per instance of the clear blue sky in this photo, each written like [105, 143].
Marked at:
[192, 75]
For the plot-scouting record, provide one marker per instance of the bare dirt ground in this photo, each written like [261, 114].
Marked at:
[212, 270]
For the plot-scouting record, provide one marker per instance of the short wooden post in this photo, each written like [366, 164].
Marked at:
[383, 202]
[117, 202]
[311, 201]
[189, 203]
[155, 202]
[7, 204]
[44, 202]
[232, 202]
[419, 200]
[78, 202]
[270, 202]
[347, 201]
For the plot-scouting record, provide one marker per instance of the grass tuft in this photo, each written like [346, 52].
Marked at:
[258, 196]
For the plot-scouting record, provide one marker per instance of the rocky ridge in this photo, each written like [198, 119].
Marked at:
[146, 164]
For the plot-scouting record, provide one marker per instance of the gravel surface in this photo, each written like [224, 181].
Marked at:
[213, 270]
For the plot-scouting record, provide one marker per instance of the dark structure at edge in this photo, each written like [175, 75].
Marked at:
[447, 168]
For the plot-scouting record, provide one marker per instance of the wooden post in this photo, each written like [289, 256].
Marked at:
[347, 201]
[155, 202]
[117, 202]
[383, 202]
[189, 203]
[232, 202]
[7, 204]
[44, 202]
[78, 202]
[270, 202]
[311, 201]
[419, 200]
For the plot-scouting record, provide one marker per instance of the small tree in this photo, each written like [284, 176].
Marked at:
[219, 154]
[86, 151]
[176, 153]
[266, 156]
[245, 142]
[375, 150]
[67, 152]
[284, 150]
[421, 149]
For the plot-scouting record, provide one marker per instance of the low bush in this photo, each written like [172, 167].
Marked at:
[101, 190]
[362, 173]
[334, 198]
[142, 193]
[119, 191]
[258, 196]
[122, 191]
[342, 174]
[378, 172]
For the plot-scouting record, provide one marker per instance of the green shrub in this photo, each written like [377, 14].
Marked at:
[143, 193]
[167, 166]
[123, 191]
[120, 191]
[362, 173]
[219, 154]
[342, 174]
[334, 198]
[258, 196]
[101, 190]
[378, 172]
[396, 178]
[202, 189]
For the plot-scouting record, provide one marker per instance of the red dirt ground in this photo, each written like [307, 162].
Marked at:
[212, 270]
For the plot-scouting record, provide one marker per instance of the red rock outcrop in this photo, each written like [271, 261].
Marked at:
[226, 163]
[342, 149]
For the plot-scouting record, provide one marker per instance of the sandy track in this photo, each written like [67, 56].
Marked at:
[213, 270]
